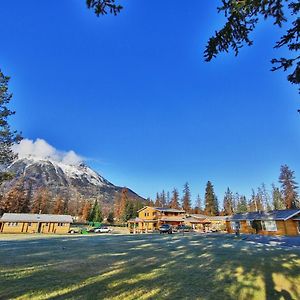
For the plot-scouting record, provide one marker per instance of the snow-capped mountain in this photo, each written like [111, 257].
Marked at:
[71, 181]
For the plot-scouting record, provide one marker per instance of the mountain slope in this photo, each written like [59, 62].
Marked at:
[69, 181]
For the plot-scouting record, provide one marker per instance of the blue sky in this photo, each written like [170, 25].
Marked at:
[133, 94]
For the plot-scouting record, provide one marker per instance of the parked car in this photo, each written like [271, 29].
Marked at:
[165, 228]
[183, 228]
[102, 229]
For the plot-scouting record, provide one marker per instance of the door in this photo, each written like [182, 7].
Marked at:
[39, 227]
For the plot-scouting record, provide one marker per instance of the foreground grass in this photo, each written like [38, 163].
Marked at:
[146, 267]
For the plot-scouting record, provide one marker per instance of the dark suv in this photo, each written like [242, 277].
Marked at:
[165, 228]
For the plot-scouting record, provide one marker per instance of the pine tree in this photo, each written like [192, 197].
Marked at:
[288, 187]
[168, 199]
[129, 211]
[186, 200]
[7, 137]
[211, 202]
[198, 207]
[97, 213]
[175, 199]
[157, 202]
[265, 197]
[278, 202]
[242, 205]
[163, 199]
[228, 203]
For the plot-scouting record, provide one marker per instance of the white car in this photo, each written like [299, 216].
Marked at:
[102, 229]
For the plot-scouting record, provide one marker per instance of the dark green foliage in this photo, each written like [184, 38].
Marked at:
[278, 202]
[102, 7]
[96, 213]
[186, 199]
[228, 203]
[288, 187]
[242, 17]
[211, 202]
[242, 206]
[8, 137]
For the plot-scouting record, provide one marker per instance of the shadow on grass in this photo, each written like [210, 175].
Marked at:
[147, 267]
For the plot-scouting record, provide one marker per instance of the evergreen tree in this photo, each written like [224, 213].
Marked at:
[175, 199]
[242, 205]
[265, 197]
[288, 187]
[198, 207]
[96, 213]
[129, 211]
[186, 200]
[110, 218]
[168, 199]
[211, 202]
[7, 137]
[157, 202]
[163, 199]
[278, 202]
[228, 203]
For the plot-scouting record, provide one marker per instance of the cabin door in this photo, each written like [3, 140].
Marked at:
[39, 227]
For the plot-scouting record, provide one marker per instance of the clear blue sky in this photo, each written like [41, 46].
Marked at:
[133, 94]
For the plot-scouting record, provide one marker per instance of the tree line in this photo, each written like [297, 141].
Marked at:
[283, 197]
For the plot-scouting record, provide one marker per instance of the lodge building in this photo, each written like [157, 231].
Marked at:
[275, 222]
[35, 223]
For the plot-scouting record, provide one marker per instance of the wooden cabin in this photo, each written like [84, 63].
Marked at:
[150, 218]
[35, 223]
[276, 222]
[207, 223]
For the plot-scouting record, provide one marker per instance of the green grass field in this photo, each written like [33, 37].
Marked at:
[145, 267]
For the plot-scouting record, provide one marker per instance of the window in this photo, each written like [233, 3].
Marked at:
[299, 226]
[29, 224]
[145, 215]
[235, 225]
[269, 225]
[249, 223]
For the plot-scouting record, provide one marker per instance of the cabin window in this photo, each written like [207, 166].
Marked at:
[29, 224]
[145, 215]
[46, 224]
[235, 225]
[299, 226]
[249, 223]
[269, 225]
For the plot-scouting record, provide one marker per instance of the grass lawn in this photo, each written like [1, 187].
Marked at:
[145, 267]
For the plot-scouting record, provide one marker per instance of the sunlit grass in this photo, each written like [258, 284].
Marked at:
[146, 267]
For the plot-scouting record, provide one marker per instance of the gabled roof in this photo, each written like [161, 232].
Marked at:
[283, 215]
[14, 217]
[212, 218]
[167, 209]
[163, 209]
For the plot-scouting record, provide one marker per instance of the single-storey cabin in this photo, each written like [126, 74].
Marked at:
[206, 223]
[35, 223]
[275, 222]
[150, 218]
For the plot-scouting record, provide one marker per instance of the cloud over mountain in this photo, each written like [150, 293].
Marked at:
[42, 150]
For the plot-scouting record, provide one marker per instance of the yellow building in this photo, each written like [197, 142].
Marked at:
[35, 223]
[150, 218]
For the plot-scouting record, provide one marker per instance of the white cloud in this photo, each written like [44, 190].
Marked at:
[42, 150]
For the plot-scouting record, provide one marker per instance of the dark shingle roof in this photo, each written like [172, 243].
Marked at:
[284, 214]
